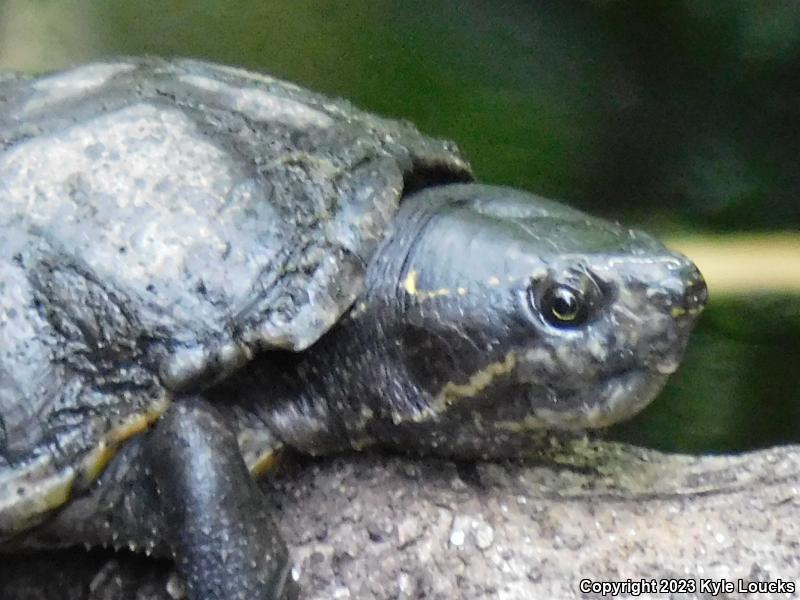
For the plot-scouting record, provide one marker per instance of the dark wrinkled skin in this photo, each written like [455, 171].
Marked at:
[170, 222]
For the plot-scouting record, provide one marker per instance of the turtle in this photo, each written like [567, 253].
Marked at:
[202, 266]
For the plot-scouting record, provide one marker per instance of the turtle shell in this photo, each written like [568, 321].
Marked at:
[162, 221]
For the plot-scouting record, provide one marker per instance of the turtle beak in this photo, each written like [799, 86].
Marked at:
[695, 294]
[684, 307]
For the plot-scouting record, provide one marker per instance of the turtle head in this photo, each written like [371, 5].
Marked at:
[506, 317]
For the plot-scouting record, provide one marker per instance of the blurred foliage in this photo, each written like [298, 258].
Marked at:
[681, 116]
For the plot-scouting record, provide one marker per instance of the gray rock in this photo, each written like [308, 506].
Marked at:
[595, 510]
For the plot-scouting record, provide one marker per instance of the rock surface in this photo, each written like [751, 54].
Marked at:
[372, 526]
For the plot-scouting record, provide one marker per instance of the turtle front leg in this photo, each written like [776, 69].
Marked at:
[216, 519]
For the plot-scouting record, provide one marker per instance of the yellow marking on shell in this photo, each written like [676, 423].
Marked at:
[34, 500]
[260, 450]
[95, 462]
[410, 285]
[59, 494]
[677, 311]
[265, 463]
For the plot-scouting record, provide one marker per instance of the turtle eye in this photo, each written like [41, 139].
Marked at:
[563, 306]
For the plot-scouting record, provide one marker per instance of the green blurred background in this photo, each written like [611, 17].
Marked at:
[680, 116]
